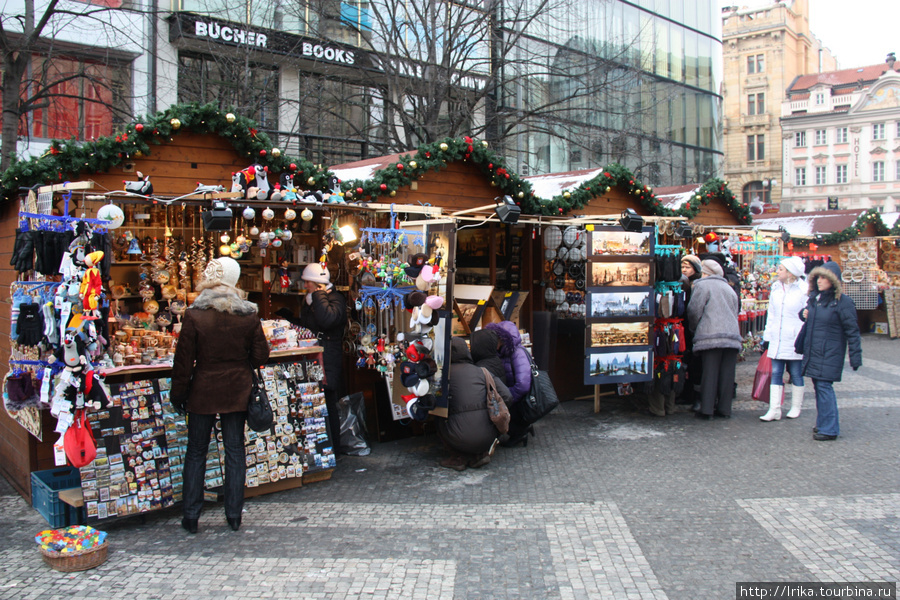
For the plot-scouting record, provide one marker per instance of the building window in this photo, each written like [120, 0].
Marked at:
[756, 147]
[820, 175]
[841, 135]
[229, 83]
[755, 190]
[800, 139]
[878, 171]
[897, 171]
[877, 131]
[800, 176]
[85, 99]
[840, 172]
[898, 130]
[821, 137]
[756, 104]
[756, 64]
[820, 99]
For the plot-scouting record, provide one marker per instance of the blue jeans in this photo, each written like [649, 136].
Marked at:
[794, 367]
[826, 408]
[199, 430]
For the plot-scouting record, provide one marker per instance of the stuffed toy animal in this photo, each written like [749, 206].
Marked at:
[253, 182]
[91, 283]
[142, 186]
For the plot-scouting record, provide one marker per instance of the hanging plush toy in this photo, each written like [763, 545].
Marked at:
[142, 186]
[91, 283]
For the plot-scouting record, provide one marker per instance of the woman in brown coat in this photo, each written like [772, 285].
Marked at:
[221, 340]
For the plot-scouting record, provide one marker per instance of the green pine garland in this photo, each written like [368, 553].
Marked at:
[66, 159]
[871, 216]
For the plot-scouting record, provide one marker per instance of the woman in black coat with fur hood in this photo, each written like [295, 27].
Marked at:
[830, 327]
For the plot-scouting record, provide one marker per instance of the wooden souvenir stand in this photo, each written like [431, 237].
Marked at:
[174, 167]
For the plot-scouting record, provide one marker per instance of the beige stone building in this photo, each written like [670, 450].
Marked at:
[764, 50]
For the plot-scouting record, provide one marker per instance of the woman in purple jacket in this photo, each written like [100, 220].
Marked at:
[517, 363]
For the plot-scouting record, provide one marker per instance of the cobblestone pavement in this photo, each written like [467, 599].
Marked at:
[618, 504]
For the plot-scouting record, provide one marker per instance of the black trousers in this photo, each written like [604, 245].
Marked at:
[199, 430]
[717, 384]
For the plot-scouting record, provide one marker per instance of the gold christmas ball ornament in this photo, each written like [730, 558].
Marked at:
[567, 195]
[484, 143]
[306, 215]
[230, 117]
[393, 193]
[290, 214]
[521, 194]
[444, 147]
[311, 181]
[175, 123]
[413, 164]
[276, 152]
[225, 250]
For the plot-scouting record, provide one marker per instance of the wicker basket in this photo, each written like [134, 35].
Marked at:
[82, 560]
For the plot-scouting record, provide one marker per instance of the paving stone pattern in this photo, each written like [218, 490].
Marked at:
[619, 504]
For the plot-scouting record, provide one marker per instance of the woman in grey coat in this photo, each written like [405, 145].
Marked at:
[713, 317]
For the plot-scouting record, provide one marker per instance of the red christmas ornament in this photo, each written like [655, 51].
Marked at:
[139, 127]
[262, 152]
[359, 191]
[560, 210]
[292, 166]
[428, 155]
[399, 166]
[490, 165]
[383, 187]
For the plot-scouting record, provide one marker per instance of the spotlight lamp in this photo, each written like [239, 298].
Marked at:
[507, 210]
[631, 221]
[684, 230]
[218, 217]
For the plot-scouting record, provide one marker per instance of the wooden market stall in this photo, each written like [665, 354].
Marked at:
[175, 151]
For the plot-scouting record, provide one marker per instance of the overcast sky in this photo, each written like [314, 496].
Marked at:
[859, 33]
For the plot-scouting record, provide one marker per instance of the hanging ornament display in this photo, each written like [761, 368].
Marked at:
[254, 230]
[268, 214]
[113, 214]
[249, 213]
[306, 215]
[290, 214]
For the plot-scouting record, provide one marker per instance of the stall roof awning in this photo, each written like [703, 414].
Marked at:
[364, 169]
[554, 184]
[811, 223]
[676, 196]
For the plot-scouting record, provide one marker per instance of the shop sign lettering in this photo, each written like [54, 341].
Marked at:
[215, 31]
[318, 51]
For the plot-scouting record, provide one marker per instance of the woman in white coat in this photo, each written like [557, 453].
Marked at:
[787, 298]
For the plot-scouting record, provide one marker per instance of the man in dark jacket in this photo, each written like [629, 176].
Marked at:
[484, 344]
[325, 313]
[468, 430]
[830, 326]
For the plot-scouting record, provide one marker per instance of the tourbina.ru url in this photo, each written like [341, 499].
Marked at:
[816, 591]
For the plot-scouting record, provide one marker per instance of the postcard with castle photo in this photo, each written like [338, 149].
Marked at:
[605, 305]
[612, 241]
[604, 335]
[620, 274]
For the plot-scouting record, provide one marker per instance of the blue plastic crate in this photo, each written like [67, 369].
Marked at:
[45, 486]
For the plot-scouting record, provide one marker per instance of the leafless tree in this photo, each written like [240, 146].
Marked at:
[39, 70]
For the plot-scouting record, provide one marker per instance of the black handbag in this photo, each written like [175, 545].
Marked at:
[259, 411]
[540, 399]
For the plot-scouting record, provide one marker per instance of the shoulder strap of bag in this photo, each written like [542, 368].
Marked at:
[489, 383]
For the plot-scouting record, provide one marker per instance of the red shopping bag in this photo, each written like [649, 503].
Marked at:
[763, 378]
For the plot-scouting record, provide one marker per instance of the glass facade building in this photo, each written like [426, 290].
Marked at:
[637, 83]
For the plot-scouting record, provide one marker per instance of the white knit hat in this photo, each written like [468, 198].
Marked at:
[317, 273]
[794, 266]
[711, 267]
[221, 271]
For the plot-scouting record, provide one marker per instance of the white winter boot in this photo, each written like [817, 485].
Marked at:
[796, 402]
[775, 394]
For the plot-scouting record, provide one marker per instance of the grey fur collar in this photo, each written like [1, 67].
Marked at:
[224, 299]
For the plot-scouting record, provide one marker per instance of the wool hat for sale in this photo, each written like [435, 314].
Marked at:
[416, 263]
[416, 351]
[794, 265]
[712, 267]
[409, 376]
[221, 271]
[425, 368]
[694, 261]
[414, 299]
[317, 273]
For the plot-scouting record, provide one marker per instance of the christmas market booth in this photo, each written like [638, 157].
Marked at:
[865, 243]
[109, 240]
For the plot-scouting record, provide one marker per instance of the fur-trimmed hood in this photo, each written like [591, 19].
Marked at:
[226, 299]
[831, 271]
